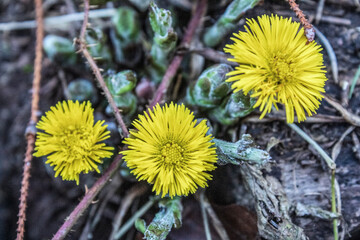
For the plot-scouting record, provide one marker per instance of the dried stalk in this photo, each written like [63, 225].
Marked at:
[348, 116]
[30, 130]
[308, 28]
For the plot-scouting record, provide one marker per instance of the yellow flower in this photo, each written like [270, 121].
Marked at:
[170, 150]
[278, 66]
[71, 140]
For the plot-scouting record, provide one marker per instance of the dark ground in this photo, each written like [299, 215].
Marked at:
[300, 170]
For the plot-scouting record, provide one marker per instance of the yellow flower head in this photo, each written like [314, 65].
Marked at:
[71, 140]
[278, 66]
[170, 150]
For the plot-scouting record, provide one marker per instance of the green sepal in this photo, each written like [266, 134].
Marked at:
[210, 88]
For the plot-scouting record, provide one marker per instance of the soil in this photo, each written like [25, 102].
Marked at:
[298, 167]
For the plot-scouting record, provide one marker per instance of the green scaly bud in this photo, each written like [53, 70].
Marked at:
[121, 82]
[81, 90]
[232, 108]
[210, 88]
[164, 41]
[60, 50]
[227, 22]
[126, 102]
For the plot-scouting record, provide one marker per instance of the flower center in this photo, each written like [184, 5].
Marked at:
[75, 142]
[172, 154]
[281, 69]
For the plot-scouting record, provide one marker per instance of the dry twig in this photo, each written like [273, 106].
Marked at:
[83, 48]
[348, 116]
[30, 130]
[308, 28]
[133, 193]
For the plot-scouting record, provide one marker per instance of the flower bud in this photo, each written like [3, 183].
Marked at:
[232, 108]
[126, 102]
[164, 41]
[210, 88]
[60, 50]
[121, 82]
[82, 90]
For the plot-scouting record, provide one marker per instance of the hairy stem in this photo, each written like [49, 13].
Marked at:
[30, 130]
[83, 48]
[88, 198]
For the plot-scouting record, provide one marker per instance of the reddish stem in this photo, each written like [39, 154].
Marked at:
[175, 63]
[88, 198]
[308, 28]
[83, 48]
[30, 132]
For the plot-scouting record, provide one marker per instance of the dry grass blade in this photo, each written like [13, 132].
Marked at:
[204, 216]
[214, 55]
[57, 22]
[337, 148]
[214, 218]
[319, 11]
[317, 147]
[133, 193]
[348, 116]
